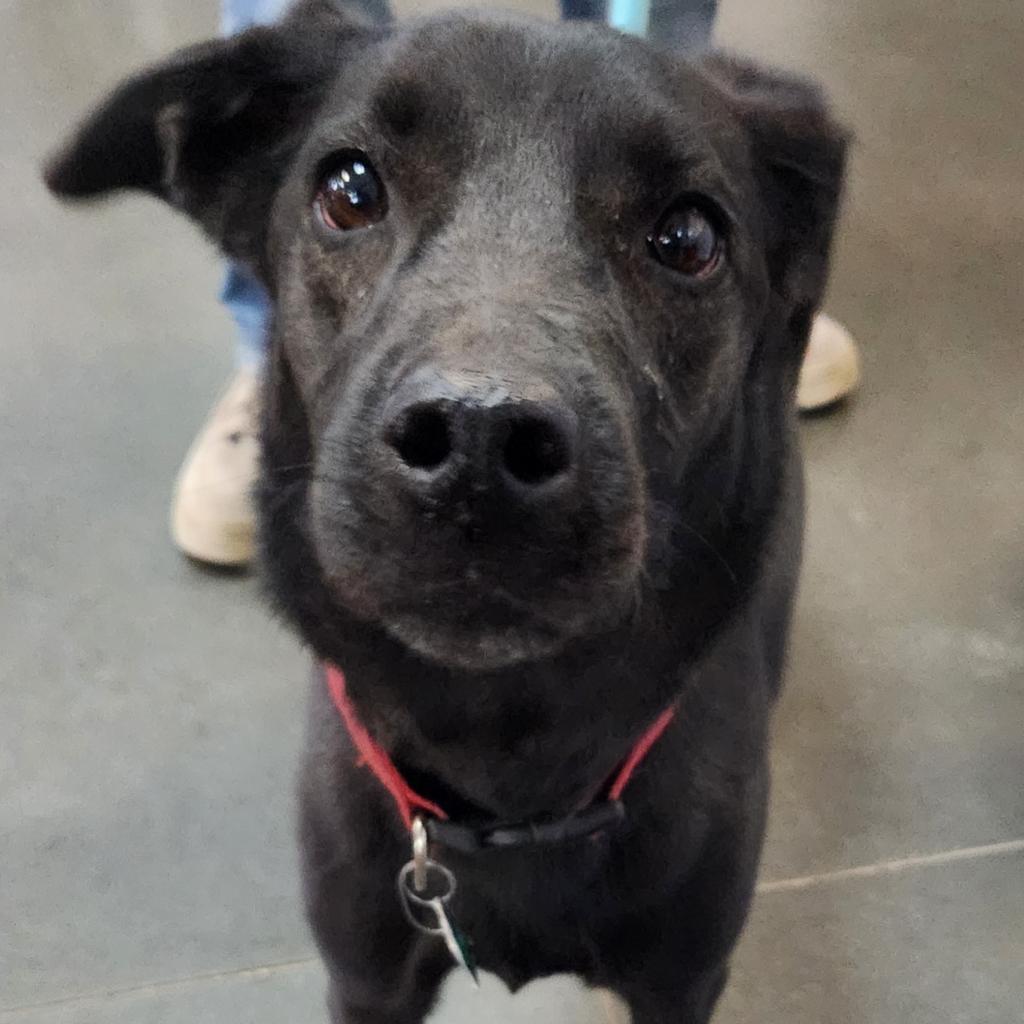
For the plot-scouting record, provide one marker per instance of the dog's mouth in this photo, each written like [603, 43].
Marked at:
[477, 622]
[475, 630]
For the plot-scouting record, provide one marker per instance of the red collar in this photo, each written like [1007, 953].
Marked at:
[409, 803]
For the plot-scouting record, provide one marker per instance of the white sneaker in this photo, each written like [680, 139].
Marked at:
[212, 516]
[831, 366]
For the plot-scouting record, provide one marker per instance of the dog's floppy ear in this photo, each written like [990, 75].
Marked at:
[800, 155]
[211, 130]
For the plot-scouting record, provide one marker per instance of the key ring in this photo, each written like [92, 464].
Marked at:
[410, 899]
[425, 889]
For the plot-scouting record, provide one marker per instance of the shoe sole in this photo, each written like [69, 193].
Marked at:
[232, 545]
[828, 387]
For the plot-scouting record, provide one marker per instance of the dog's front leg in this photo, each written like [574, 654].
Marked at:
[686, 999]
[670, 963]
[380, 971]
[352, 999]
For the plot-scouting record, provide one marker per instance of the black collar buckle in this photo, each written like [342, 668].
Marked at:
[598, 819]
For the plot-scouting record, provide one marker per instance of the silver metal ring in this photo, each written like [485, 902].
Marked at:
[410, 900]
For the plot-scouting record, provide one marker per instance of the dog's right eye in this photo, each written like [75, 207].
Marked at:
[350, 194]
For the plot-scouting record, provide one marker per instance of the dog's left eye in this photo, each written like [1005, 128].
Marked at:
[350, 194]
[686, 240]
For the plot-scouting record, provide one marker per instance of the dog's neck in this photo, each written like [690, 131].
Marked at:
[469, 828]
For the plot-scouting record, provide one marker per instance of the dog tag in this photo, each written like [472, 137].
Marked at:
[425, 889]
[458, 944]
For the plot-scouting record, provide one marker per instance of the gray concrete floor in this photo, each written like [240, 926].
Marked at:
[151, 712]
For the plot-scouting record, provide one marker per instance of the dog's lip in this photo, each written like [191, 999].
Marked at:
[473, 636]
[475, 592]
[465, 609]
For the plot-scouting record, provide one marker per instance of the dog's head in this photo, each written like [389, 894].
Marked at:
[531, 284]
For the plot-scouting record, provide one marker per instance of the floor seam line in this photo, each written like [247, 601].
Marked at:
[155, 987]
[893, 867]
[878, 869]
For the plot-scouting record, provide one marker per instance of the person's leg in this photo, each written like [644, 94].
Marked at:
[680, 24]
[683, 26]
[212, 516]
[239, 14]
[249, 305]
[236, 15]
[583, 10]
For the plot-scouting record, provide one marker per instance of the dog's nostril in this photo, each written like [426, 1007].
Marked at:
[536, 450]
[423, 440]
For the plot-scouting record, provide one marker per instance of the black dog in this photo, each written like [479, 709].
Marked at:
[530, 474]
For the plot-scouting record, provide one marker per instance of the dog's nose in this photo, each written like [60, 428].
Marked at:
[521, 451]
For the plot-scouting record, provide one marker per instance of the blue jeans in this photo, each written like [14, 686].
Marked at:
[681, 24]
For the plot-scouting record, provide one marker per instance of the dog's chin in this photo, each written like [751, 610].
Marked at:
[474, 646]
[481, 625]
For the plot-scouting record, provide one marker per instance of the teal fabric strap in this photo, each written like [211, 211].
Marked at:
[630, 16]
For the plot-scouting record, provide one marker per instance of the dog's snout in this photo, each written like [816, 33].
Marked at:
[520, 451]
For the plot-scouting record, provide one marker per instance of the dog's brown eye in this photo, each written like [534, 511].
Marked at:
[686, 241]
[351, 195]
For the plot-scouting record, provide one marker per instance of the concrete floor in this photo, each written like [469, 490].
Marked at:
[151, 712]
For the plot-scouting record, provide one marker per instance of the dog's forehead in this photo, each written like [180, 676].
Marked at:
[460, 78]
[501, 59]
